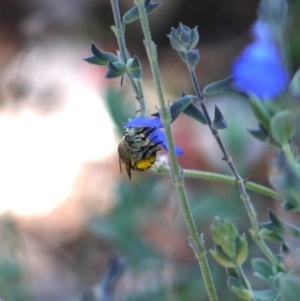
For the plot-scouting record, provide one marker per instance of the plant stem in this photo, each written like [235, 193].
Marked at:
[119, 31]
[290, 157]
[240, 272]
[177, 175]
[238, 180]
[204, 175]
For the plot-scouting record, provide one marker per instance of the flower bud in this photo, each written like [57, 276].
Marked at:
[134, 67]
[231, 248]
[184, 38]
[192, 58]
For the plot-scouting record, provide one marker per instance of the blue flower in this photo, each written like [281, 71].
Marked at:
[259, 69]
[157, 136]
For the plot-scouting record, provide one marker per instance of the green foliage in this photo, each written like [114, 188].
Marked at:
[194, 112]
[231, 249]
[183, 39]
[133, 14]
[295, 84]
[289, 286]
[100, 58]
[239, 289]
[283, 126]
[179, 106]
[225, 85]
[277, 126]
[115, 69]
[134, 68]
[219, 122]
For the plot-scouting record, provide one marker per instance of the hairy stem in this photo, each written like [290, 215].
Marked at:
[119, 31]
[205, 175]
[238, 180]
[178, 179]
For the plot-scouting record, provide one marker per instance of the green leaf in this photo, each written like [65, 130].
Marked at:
[219, 122]
[238, 288]
[282, 226]
[133, 13]
[283, 126]
[241, 249]
[295, 84]
[134, 67]
[265, 295]
[225, 85]
[285, 249]
[259, 135]
[289, 286]
[231, 272]
[194, 112]
[222, 258]
[179, 106]
[261, 113]
[278, 298]
[270, 235]
[192, 58]
[100, 58]
[115, 69]
[262, 269]
[274, 219]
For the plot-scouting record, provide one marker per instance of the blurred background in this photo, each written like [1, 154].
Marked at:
[70, 223]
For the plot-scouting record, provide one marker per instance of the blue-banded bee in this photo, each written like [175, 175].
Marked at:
[138, 148]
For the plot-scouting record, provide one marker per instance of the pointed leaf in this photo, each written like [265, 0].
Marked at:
[260, 113]
[283, 226]
[219, 122]
[100, 58]
[270, 235]
[193, 111]
[133, 13]
[134, 67]
[238, 288]
[274, 219]
[222, 258]
[115, 69]
[179, 106]
[231, 272]
[225, 85]
[259, 135]
[192, 58]
[241, 249]
[285, 248]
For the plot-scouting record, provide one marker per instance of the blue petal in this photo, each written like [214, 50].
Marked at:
[259, 70]
[159, 136]
[262, 32]
[138, 122]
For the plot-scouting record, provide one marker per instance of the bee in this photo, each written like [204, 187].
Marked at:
[137, 150]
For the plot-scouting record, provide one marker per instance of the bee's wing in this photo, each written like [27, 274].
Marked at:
[128, 169]
[120, 163]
